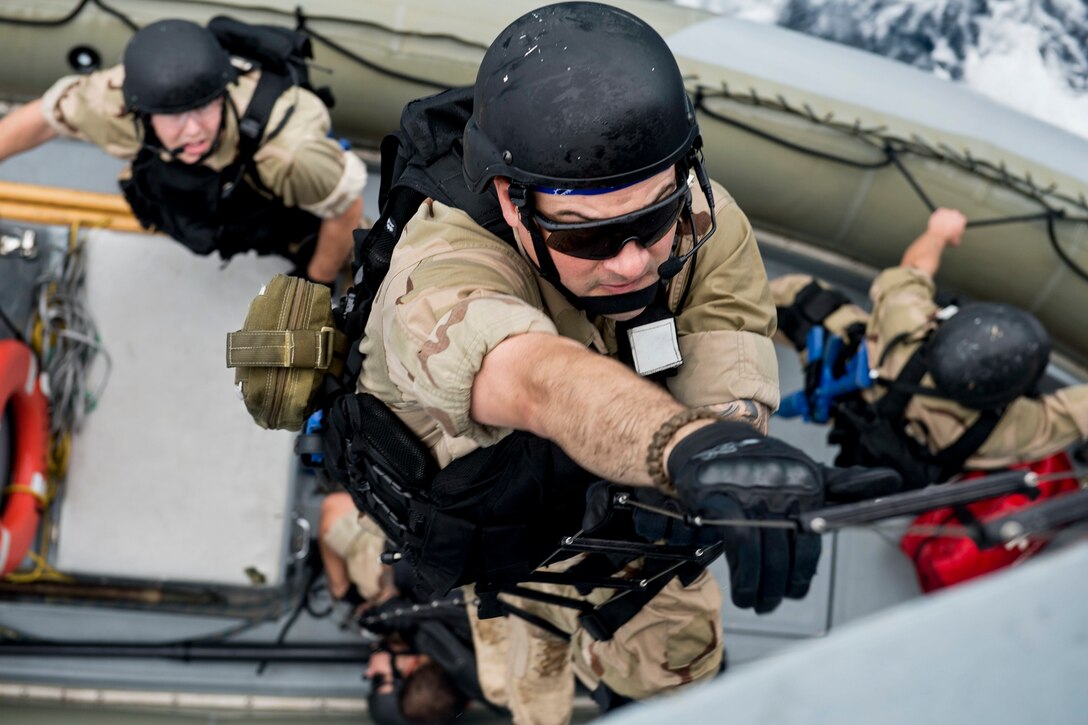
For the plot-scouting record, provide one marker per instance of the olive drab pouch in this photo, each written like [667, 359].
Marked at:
[286, 347]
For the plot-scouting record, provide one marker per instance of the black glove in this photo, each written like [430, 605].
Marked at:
[729, 470]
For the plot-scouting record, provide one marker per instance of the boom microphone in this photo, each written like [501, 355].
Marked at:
[672, 266]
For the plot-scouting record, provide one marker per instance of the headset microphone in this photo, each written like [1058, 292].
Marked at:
[672, 266]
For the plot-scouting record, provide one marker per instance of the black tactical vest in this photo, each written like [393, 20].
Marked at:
[226, 211]
[494, 515]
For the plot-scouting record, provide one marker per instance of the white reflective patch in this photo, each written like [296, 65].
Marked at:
[238, 389]
[263, 288]
[947, 313]
[5, 545]
[654, 346]
[31, 374]
[37, 485]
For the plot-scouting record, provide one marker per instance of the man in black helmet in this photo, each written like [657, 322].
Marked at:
[955, 389]
[423, 669]
[589, 306]
[225, 157]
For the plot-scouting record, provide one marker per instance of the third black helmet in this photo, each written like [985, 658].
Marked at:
[577, 95]
[172, 66]
[987, 355]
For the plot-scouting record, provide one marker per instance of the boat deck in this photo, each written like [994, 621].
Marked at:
[172, 484]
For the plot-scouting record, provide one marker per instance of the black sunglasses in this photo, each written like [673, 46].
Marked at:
[605, 238]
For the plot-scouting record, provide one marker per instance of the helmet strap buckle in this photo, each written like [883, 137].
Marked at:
[519, 195]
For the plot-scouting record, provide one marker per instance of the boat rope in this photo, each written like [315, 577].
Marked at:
[68, 343]
[890, 148]
[893, 149]
[302, 23]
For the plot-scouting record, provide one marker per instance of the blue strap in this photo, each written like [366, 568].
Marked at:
[813, 404]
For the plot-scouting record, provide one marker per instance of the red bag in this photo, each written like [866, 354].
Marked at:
[942, 561]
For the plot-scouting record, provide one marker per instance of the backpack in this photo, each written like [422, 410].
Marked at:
[281, 55]
[274, 49]
[422, 159]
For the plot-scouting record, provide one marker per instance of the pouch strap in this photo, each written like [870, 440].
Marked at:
[309, 349]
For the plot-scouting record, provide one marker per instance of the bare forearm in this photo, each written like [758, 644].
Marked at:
[945, 227]
[23, 129]
[924, 253]
[334, 244]
[602, 414]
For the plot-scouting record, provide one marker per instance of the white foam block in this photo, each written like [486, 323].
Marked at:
[170, 478]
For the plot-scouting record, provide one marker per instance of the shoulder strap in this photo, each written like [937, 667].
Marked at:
[954, 456]
[430, 153]
[422, 159]
[252, 124]
[812, 306]
[894, 403]
[903, 388]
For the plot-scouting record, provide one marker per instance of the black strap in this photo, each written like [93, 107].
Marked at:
[893, 404]
[812, 305]
[604, 620]
[954, 456]
[253, 122]
[534, 620]
[900, 391]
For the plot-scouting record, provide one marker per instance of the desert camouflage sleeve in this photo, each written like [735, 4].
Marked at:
[725, 325]
[1031, 427]
[453, 296]
[92, 108]
[300, 164]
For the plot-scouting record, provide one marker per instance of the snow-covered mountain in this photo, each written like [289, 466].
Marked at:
[1030, 54]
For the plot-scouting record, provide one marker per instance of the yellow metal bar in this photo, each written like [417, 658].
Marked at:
[52, 205]
[67, 198]
[41, 214]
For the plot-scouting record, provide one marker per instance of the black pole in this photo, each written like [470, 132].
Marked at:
[296, 653]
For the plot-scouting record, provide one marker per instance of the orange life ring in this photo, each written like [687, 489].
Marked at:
[25, 497]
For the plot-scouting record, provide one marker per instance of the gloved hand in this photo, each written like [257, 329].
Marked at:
[729, 470]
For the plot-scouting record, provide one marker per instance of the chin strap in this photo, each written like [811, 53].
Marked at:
[672, 266]
[601, 305]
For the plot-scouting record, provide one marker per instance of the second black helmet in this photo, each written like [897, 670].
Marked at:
[577, 95]
[988, 354]
[173, 66]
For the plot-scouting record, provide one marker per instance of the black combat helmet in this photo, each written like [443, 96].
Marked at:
[987, 355]
[172, 66]
[577, 95]
[582, 97]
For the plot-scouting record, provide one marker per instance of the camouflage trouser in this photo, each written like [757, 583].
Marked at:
[360, 543]
[674, 640]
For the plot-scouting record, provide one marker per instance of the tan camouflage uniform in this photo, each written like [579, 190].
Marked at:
[300, 164]
[454, 292]
[359, 542]
[903, 302]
